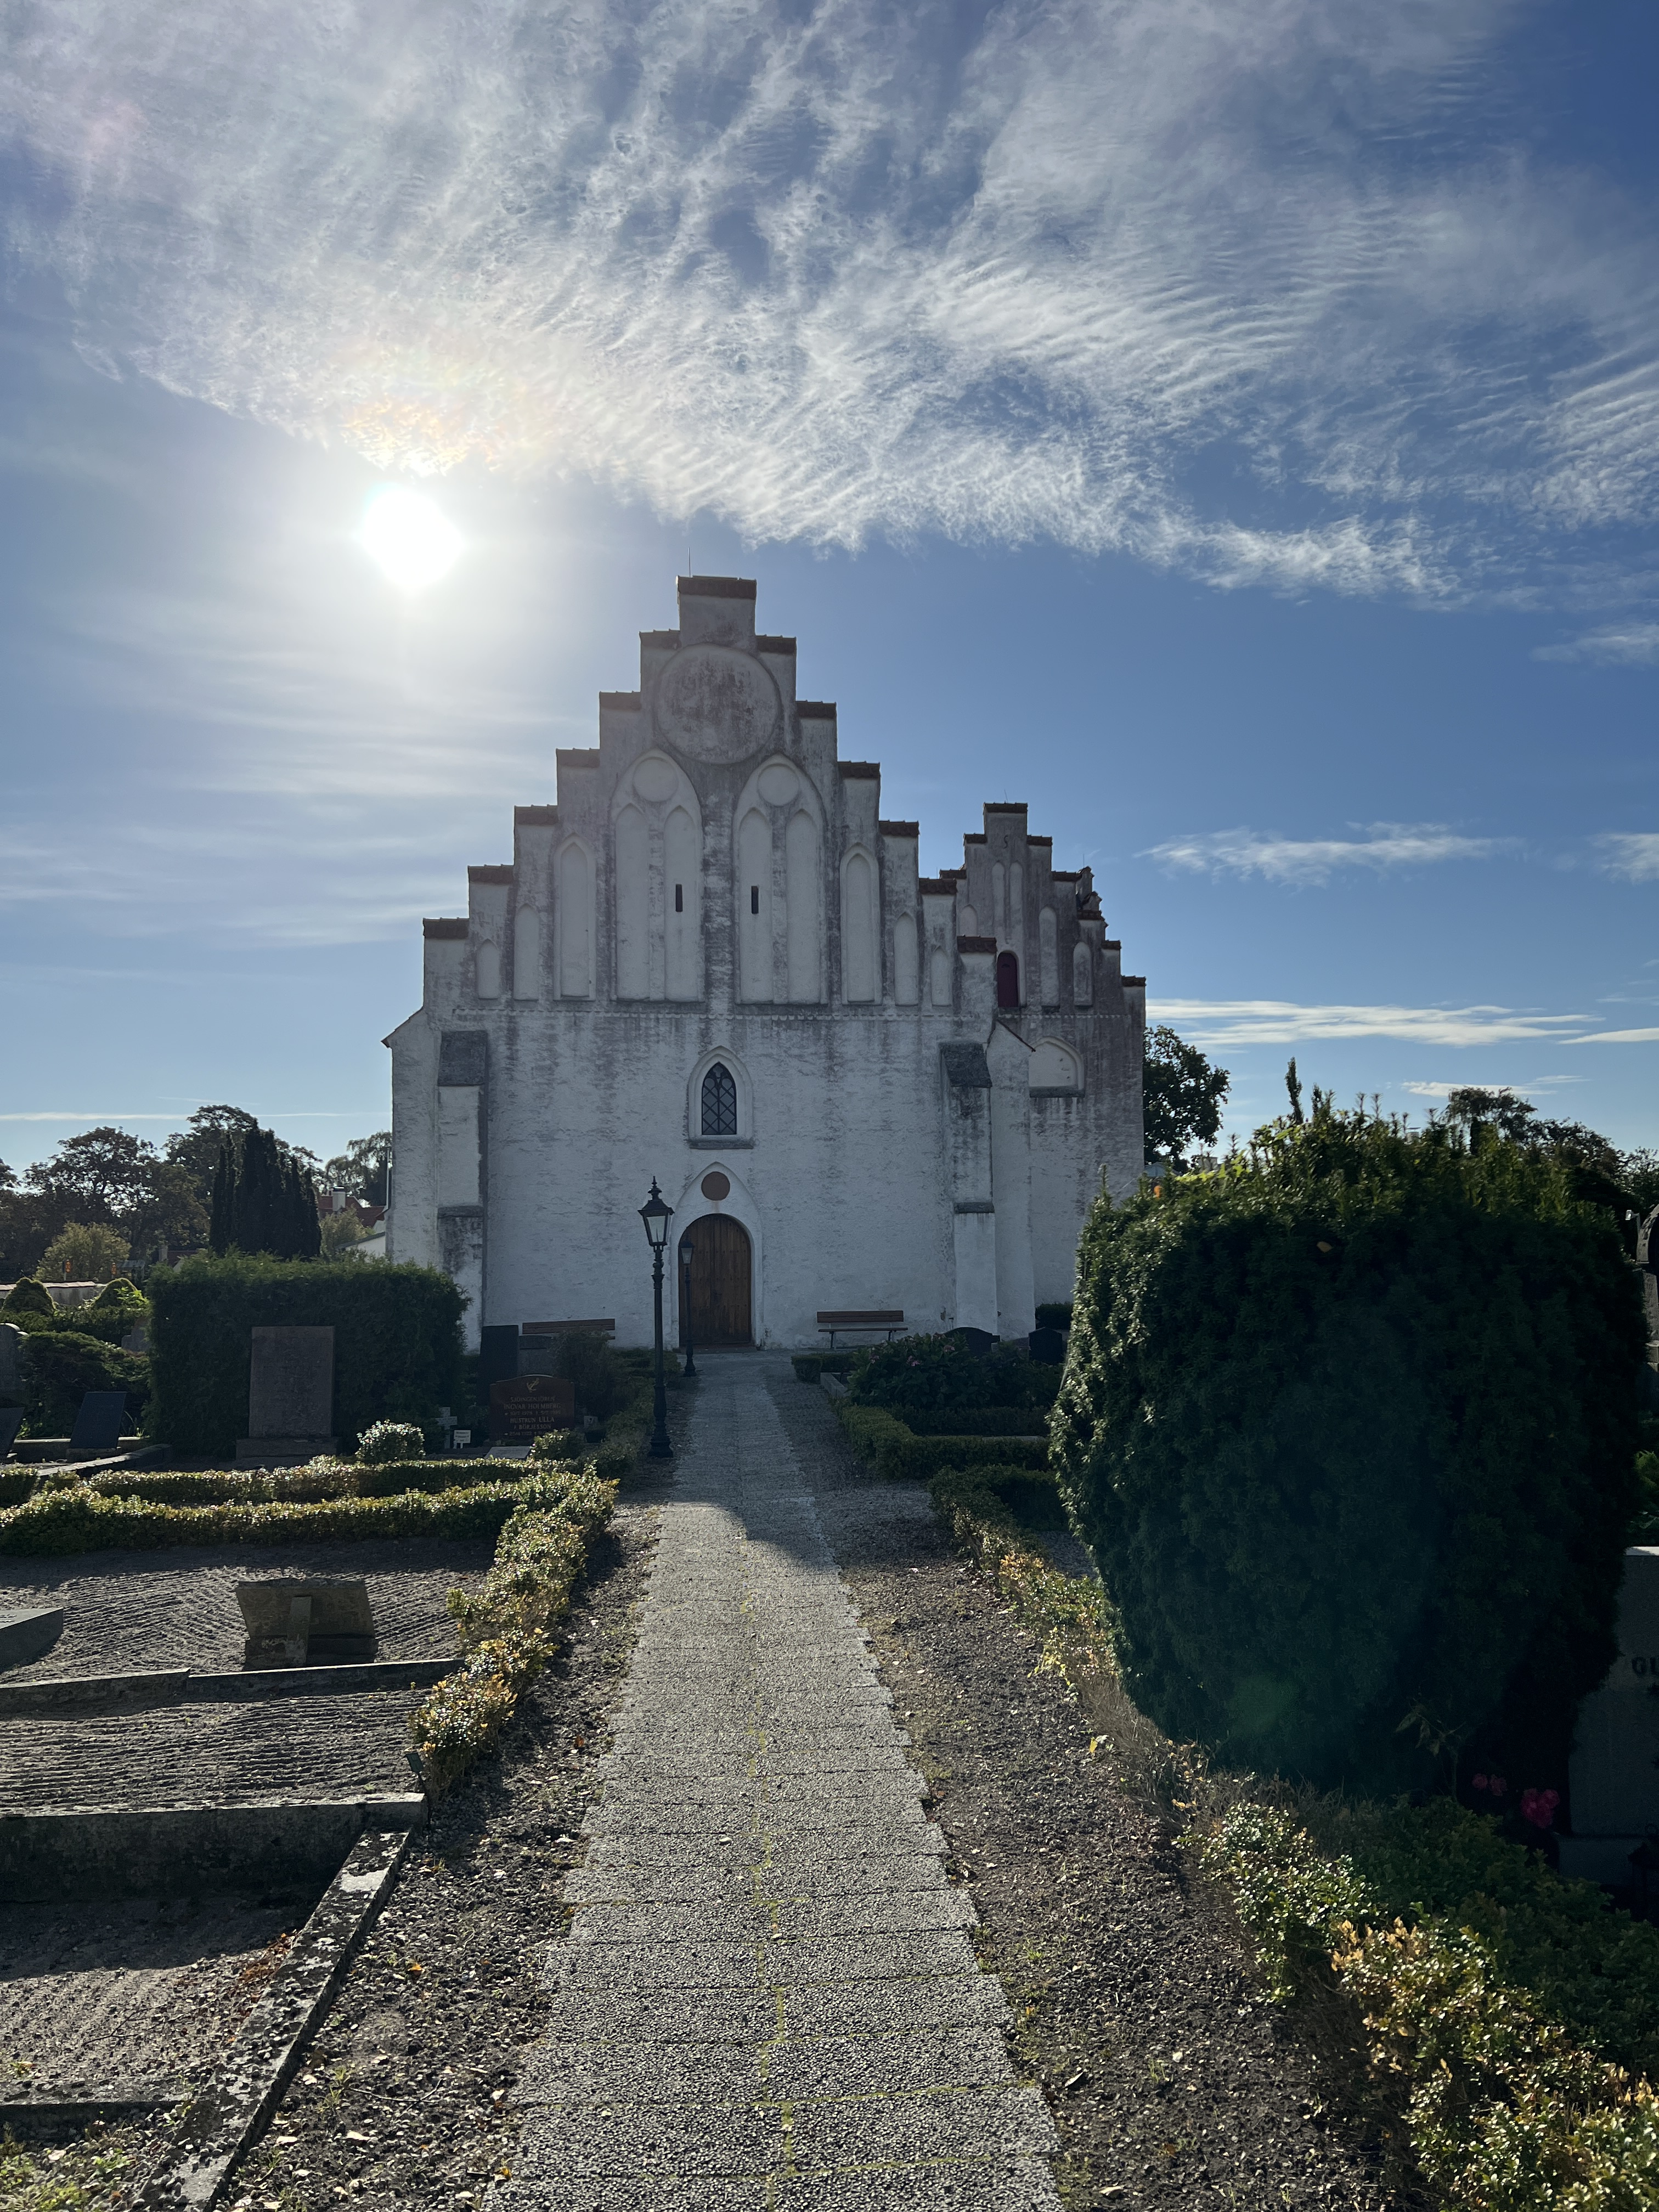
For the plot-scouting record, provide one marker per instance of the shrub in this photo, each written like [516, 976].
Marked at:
[63, 1364]
[601, 1379]
[1058, 1315]
[506, 1626]
[555, 1446]
[940, 1374]
[894, 1451]
[810, 1365]
[397, 1342]
[27, 1298]
[384, 1442]
[121, 1295]
[979, 1421]
[1350, 1426]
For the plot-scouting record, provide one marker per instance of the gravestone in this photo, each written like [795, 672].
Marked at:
[1614, 1769]
[530, 1406]
[11, 1419]
[29, 1634]
[1048, 1347]
[306, 1623]
[14, 1358]
[498, 1354]
[98, 1424]
[290, 1397]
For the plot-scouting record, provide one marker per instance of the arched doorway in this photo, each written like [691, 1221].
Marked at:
[718, 1304]
[1007, 979]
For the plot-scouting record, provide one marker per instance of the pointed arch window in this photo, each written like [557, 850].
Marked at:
[720, 1102]
[1007, 979]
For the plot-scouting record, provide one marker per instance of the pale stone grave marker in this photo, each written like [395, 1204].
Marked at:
[290, 1412]
[298, 1624]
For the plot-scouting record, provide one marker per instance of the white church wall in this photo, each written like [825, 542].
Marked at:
[863, 1175]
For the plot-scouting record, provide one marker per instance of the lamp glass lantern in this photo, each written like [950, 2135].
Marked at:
[656, 1213]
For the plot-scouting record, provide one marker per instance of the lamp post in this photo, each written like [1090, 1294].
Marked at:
[686, 1249]
[657, 1213]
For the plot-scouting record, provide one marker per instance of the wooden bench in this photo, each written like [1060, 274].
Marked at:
[890, 1319]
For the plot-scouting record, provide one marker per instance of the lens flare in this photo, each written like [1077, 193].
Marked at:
[410, 537]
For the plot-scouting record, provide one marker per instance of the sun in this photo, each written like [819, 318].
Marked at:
[409, 536]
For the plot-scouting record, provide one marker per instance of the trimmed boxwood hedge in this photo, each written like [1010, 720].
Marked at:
[1351, 1428]
[895, 1451]
[397, 1343]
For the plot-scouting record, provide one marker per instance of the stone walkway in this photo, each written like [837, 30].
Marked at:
[769, 1996]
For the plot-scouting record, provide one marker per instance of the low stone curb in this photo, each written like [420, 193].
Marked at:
[172, 1685]
[234, 2105]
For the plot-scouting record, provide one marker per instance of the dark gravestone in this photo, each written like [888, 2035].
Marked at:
[11, 1419]
[290, 1397]
[98, 1424]
[1048, 1346]
[974, 1340]
[498, 1356]
[306, 1623]
[14, 1358]
[530, 1406]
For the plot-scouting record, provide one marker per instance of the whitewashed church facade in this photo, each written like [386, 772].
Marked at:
[712, 962]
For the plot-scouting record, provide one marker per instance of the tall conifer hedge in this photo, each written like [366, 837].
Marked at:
[1351, 1425]
[397, 1342]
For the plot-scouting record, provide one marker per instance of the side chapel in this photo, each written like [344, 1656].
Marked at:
[714, 962]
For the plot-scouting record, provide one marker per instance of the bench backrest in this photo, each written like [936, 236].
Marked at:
[875, 1319]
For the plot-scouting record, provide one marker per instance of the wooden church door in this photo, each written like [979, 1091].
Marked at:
[720, 1270]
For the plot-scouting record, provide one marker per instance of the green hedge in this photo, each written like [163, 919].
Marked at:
[62, 1365]
[939, 1374]
[507, 1627]
[892, 1449]
[982, 1421]
[1350, 1426]
[397, 1343]
[1518, 2013]
[82, 1519]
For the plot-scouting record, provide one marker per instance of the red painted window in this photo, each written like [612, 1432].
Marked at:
[1007, 979]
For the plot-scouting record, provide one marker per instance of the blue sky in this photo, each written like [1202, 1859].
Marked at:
[1234, 430]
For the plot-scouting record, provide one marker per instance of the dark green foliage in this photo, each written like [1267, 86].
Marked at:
[809, 1365]
[1351, 1427]
[939, 1374]
[264, 1200]
[25, 1298]
[979, 1421]
[601, 1379]
[1054, 1316]
[397, 1343]
[363, 1167]
[121, 1295]
[1181, 1096]
[63, 1364]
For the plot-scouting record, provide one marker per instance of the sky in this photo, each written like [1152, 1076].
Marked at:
[1232, 429]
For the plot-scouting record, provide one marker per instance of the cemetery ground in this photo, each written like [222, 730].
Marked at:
[1133, 2009]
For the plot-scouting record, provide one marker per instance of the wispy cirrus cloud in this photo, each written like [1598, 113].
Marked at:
[1280, 1021]
[1633, 855]
[833, 268]
[1385, 846]
[1629, 645]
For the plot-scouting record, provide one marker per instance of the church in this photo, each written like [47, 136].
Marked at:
[713, 962]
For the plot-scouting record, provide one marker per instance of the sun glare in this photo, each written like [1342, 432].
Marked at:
[413, 540]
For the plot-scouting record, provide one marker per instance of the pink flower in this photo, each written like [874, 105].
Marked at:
[1539, 1806]
[1479, 1781]
[1497, 1786]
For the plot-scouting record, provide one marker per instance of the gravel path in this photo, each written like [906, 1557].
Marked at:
[769, 1996]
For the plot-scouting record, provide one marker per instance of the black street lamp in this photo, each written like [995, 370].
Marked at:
[657, 1213]
[686, 1249]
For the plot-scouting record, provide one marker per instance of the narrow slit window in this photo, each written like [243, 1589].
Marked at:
[753, 898]
[679, 898]
[720, 1102]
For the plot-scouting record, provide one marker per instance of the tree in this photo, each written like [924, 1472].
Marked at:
[102, 1173]
[341, 1233]
[1181, 1097]
[363, 1167]
[84, 1252]
[264, 1200]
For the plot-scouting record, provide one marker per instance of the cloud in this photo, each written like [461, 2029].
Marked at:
[1633, 855]
[1279, 1021]
[1312, 860]
[1619, 1037]
[1631, 645]
[1277, 293]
